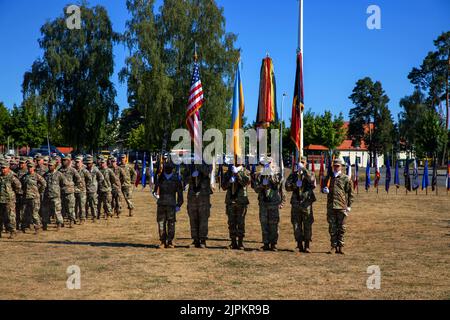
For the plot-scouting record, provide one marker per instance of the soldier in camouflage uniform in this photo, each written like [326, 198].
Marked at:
[105, 188]
[20, 172]
[72, 180]
[269, 186]
[80, 192]
[170, 189]
[128, 181]
[199, 202]
[116, 193]
[52, 195]
[92, 188]
[340, 199]
[41, 169]
[33, 186]
[235, 182]
[302, 183]
[9, 185]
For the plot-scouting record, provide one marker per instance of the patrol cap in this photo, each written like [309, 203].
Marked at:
[112, 159]
[4, 164]
[46, 158]
[23, 160]
[31, 165]
[79, 159]
[337, 162]
[52, 163]
[67, 157]
[38, 157]
[89, 159]
[124, 156]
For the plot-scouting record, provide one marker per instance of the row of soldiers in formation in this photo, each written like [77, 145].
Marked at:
[268, 184]
[33, 191]
[62, 187]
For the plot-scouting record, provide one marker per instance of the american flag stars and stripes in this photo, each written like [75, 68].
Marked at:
[195, 102]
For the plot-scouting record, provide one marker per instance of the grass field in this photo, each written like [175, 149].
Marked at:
[408, 237]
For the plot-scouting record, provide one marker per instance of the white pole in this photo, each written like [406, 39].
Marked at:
[281, 136]
[300, 48]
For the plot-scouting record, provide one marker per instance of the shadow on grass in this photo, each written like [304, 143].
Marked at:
[219, 240]
[95, 244]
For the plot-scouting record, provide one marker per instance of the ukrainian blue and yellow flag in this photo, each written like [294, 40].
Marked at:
[237, 113]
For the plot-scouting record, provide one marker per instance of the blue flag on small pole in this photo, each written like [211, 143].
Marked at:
[425, 182]
[368, 175]
[388, 175]
[144, 171]
[397, 177]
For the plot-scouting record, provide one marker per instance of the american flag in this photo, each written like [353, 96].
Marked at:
[195, 102]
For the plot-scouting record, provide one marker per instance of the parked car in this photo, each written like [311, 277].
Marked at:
[44, 151]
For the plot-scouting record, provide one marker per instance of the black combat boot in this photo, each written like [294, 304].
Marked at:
[273, 247]
[130, 213]
[300, 246]
[339, 250]
[307, 249]
[233, 244]
[170, 245]
[265, 247]
[241, 244]
[12, 235]
[162, 244]
[203, 244]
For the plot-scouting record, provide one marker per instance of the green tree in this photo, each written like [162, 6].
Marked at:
[371, 107]
[159, 68]
[5, 123]
[72, 79]
[136, 139]
[28, 124]
[323, 129]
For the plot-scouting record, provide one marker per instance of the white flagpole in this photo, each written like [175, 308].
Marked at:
[300, 48]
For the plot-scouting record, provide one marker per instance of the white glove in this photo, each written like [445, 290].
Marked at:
[326, 190]
[232, 180]
[234, 169]
[299, 183]
[177, 209]
[265, 182]
[300, 166]
[156, 196]
[195, 174]
[349, 209]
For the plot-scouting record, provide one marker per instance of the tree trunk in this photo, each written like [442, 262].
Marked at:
[447, 108]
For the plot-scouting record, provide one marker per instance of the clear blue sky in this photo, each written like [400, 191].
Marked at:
[338, 47]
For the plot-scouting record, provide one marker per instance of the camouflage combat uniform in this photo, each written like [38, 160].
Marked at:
[340, 198]
[9, 185]
[72, 179]
[80, 194]
[105, 188]
[116, 190]
[52, 197]
[33, 186]
[92, 192]
[302, 216]
[170, 197]
[270, 198]
[129, 178]
[236, 205]
[199, 203]
[41, 170]
[19, 200]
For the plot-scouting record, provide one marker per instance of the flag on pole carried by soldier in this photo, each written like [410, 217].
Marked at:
[448, 176]
[348, 169]
[152, 173]
[138, 171]
[377, 173]
[195, 102]
[267, 102]
[238, 110]
[298, 104]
